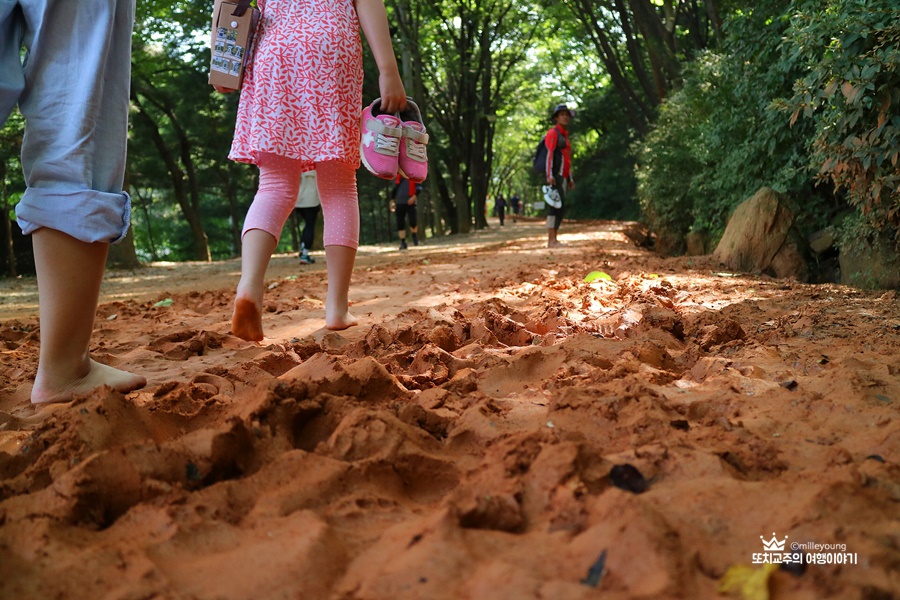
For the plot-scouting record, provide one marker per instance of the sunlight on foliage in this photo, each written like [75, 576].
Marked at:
[851, 95]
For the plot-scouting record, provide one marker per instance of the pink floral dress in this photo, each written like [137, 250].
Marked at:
[302, 92]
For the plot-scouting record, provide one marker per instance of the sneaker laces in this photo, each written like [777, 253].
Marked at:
[416, 151]
[386, 144]
[387, 138]
[415, 143]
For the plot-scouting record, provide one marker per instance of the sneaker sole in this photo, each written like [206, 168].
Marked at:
[413, 179]
[362, 157]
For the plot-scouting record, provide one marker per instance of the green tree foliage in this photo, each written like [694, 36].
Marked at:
[709, 98]
[642, 44]
[849, 51]
[719, 138]
[466, 64]
[620, 59]
[799, 93]
[603, 163]
[179, 126]
[12, 185]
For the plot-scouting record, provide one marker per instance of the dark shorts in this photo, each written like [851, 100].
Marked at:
[557, 213]
[404, 212]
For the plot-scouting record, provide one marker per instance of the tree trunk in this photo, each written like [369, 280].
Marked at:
[712, 11]
[201, 241]
[146, 210]
[443, 207]
[660, 45]
[484, 122]
[636, 53]
[234, 212]
[463, 207]
[8, 250]
[442, 182]
[177, 178]
[639, 113]
[123, 255]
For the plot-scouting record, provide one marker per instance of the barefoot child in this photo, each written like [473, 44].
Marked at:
[300, 109]
[73, 92]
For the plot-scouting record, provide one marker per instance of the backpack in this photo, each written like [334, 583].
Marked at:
[540, 153]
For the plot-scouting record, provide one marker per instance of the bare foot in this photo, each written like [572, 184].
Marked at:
[45, 390]
[246, 322]
[339, 322]
[556, 244]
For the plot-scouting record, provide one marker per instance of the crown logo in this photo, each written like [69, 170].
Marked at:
[773, 545]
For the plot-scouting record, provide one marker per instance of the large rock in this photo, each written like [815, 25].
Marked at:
[760, 238]
[870, 264]
[822, 240]
[696, 243]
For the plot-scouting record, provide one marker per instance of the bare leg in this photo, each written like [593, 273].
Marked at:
[339, 260]
[69, 274]
[256, 251]
[552, 241]
[552, 233]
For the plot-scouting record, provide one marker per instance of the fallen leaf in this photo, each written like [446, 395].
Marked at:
[595, 275]
[746, 582]
[166, 302]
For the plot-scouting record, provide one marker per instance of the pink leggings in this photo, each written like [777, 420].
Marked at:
[279, 184]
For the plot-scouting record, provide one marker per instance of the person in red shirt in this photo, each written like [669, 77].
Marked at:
[558, 168]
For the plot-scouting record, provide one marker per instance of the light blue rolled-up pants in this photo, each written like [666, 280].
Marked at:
[73, 90]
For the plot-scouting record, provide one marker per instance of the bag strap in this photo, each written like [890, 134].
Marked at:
[560, 136]
[242, 7]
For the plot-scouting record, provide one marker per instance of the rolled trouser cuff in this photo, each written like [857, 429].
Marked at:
[86, 215]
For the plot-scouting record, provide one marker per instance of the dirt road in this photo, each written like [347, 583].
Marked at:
[495, 428]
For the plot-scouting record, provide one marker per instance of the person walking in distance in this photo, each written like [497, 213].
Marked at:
[307, 210]
[500, 208]
[406, 193]
[300, 109]
[558, 169]
[515, 205]
[73, 90]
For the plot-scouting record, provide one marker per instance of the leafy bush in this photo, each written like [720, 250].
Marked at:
[851, 94]
[668, 164]
[602, 163]
[719, 138]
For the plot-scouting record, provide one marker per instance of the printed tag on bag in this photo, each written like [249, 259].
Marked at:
[231, 44]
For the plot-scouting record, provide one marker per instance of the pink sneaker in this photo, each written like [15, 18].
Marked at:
[413, 158]
[380, 146]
